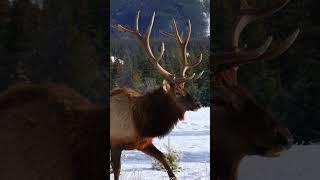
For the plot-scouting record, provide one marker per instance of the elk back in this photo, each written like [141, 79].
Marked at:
[49, 131]
[122, 127]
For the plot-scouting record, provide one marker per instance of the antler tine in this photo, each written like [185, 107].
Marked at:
[186, 64]
[185, 44]
[168, 34]
[136, 23]
[176, 31]
[136, 32]
[189, 66]
[247, 15]
[239, 57]
[282, 47]
[146, 42]
[183, 48]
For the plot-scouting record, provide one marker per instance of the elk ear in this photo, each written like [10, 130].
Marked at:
[166, 86]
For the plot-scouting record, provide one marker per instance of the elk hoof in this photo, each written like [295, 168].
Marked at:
[173, 178]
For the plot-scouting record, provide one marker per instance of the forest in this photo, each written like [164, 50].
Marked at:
[55, 40]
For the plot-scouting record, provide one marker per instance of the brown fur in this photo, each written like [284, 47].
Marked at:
[156, 113]
[242, 128]
[49, 131]
[129, 92]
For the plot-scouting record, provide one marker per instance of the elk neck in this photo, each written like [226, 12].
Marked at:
[156, 113]
[226, 167]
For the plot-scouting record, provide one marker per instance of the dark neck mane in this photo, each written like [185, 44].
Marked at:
[227, 168]
[156, 113]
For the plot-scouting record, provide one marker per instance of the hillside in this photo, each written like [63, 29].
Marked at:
[124, 11]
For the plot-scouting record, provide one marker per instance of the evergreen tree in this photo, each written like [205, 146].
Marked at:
[22, 38]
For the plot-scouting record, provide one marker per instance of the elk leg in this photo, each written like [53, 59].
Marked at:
[116, 161]
[152, 151]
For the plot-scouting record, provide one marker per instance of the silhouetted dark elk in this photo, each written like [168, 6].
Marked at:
[136, 119]
[49, 131]
[241, 126]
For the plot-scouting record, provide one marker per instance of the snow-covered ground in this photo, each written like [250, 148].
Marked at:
[190, 137]
[299, 163]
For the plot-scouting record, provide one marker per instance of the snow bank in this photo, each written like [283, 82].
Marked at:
[299, 163]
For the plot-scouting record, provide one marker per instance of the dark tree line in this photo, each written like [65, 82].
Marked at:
[57, 40]
[290, 84]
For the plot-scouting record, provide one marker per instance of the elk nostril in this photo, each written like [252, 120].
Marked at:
[285, 139]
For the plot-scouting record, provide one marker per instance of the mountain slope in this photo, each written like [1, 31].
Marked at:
[124, 11]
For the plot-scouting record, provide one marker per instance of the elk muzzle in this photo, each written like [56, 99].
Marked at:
[198, 104]
[283, 141]
[284, 137]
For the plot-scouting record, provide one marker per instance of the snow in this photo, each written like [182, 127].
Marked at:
[191, 137]
[298, 163]
[113, 60]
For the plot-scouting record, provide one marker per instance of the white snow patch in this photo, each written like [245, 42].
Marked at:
[298, 163]
[113, 60]
[191, 137]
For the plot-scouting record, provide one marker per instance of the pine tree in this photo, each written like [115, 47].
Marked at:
[4, 14]
[22, 37]
[5, 11]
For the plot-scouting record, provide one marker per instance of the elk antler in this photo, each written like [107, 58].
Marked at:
[239, 56]
[183, 48]
[146, 42]
[155, 61]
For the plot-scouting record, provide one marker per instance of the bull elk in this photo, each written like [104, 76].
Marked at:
[241, 126]
[49, 131]
[135, 118]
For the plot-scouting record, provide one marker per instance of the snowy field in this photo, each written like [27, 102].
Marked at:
[190, 137]
[299, 163]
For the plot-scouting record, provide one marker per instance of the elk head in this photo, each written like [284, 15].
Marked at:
[242, 127]
[172, 86]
